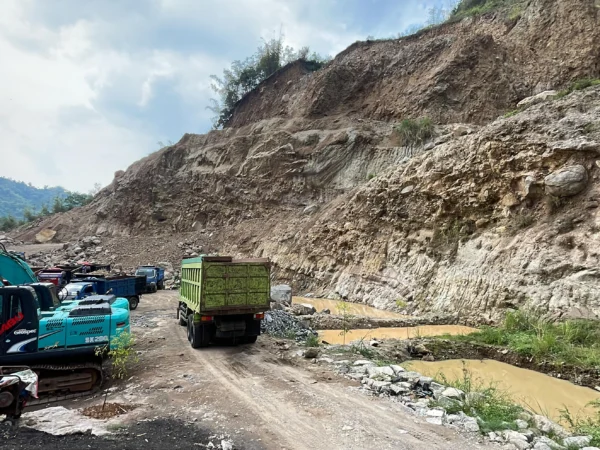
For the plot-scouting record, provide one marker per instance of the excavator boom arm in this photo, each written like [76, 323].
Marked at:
[14, 270]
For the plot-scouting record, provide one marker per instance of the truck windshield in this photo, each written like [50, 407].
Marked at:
[145, 272]
[73, 288]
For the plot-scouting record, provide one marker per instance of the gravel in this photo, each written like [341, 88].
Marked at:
[285, 325]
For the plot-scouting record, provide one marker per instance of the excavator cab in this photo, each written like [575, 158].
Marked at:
[19, 323]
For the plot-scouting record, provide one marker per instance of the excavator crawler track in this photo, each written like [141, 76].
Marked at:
[66, 381]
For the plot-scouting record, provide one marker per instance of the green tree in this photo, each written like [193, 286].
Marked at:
[243, 76]
[44, 211]
[58, 205]
[8, 223]
[29, 215]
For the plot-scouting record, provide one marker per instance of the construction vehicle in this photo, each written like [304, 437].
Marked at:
[155, 277]
[62, 344]
[124, 286]
[223, 298]
[17, 386]
[62, 275]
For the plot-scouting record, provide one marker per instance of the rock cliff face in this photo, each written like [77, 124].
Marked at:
[490, 213]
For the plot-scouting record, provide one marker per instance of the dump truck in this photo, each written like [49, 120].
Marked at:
[155, 277]
[82, 285]
[223, 298]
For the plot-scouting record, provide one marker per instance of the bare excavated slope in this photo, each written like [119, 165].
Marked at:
[311, 173]
[472, 71]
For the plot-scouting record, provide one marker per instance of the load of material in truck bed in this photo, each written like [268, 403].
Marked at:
[221, 297]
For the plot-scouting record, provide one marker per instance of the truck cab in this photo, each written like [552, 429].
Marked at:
[155, 277]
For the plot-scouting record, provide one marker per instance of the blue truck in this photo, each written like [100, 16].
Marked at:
[155, 277]
[82, 286]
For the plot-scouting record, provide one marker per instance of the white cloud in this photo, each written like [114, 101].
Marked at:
[86, 91]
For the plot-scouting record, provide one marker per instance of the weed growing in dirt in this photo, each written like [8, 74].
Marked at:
[359, 347]
[400, 303]
[589, 426]
[415, 132]
[312, 341]
[575, 342]
[344, 311]
[121, 354]
[492, 407]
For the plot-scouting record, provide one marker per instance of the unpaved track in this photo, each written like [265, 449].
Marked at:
[264, 395]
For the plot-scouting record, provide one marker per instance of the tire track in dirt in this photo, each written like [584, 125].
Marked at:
[296, 412]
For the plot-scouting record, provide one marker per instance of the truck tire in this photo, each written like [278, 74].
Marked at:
[133, 302]
[153, 288]
[198, 335]
[161, 286]
[251, 339]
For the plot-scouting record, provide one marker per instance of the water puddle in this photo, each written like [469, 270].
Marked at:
[533, 390]
[336, 336]
[356, 309]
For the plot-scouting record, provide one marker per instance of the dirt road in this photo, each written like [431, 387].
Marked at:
[262, 395]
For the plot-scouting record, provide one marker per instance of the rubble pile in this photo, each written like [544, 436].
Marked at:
[283, 324]
[444, 405]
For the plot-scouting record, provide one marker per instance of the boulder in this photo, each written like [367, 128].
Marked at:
[45, 235]
[300, 309]
[376, 371]
[282, 293]
[549, 443]
[547, 426]
[542, 96]
[453, 393]
[566, 182]
[312, 352]
[577, 441]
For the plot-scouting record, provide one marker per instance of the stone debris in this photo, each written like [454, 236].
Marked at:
[431, 401]
[283, 324]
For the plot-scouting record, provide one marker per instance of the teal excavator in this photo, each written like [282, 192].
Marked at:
[60, 342]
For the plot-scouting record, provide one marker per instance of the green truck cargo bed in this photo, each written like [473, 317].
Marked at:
[216, 285]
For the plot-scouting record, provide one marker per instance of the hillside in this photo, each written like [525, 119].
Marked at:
[313, 172]
[16, 196]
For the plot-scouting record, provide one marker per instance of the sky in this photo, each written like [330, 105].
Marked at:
[88, 87]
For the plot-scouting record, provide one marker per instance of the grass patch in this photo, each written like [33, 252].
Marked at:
[512, 113]
[574, 342]
[492, 407]
[578, 85]
[312, 341]
[469, 8]
[415, 132]
[360, 348]
[585, 427]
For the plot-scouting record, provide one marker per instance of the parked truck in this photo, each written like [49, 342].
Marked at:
[221, 297]
[124, 286]
[155, 277]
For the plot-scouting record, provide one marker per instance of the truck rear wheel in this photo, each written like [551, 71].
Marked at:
[198, 335]
[133, 302]
[251, 339]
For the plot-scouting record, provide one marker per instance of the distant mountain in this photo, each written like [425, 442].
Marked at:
[16, 196]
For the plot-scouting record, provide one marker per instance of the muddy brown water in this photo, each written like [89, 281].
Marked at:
[356, 309]
[533, 390]
[337, 337]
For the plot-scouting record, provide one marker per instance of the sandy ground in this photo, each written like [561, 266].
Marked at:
[262, 395]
